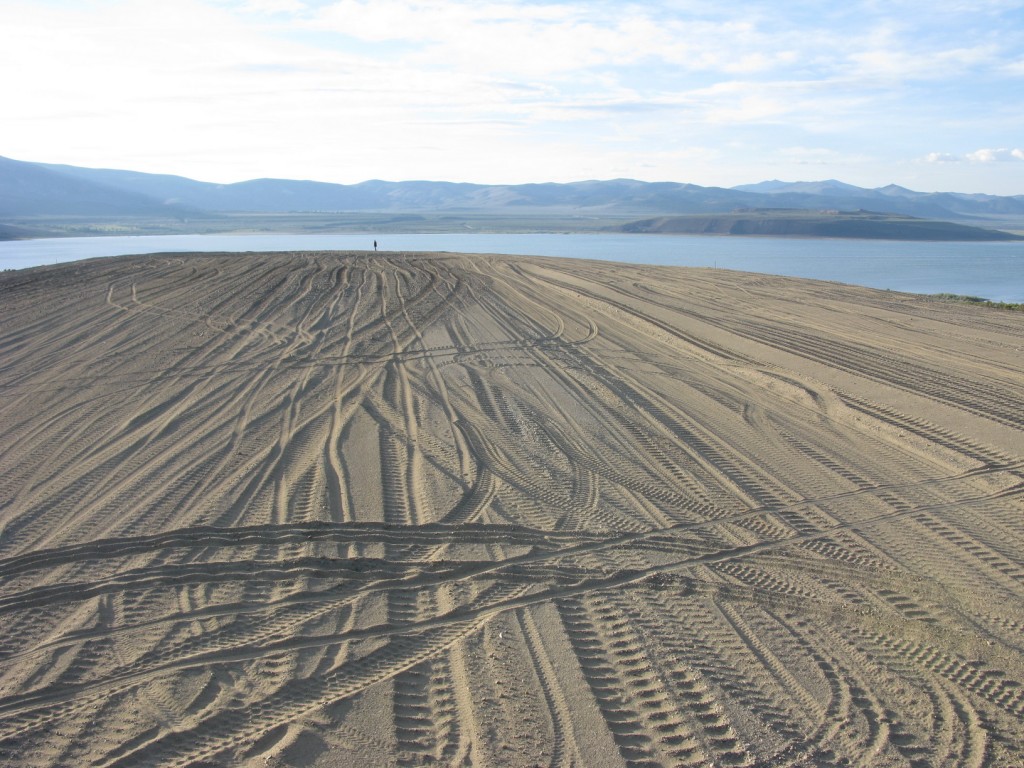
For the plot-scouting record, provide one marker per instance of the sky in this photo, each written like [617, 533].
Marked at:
[928, 94]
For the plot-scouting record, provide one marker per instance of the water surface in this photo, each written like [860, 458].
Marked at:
[991, 270]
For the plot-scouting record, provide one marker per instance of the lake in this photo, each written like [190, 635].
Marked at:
[991, 270]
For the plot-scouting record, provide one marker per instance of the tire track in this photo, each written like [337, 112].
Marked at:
[410, 508]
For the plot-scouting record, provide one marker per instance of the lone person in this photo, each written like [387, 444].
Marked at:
[375, 245]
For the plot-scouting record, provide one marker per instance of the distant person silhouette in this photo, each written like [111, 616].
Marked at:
[375, 245]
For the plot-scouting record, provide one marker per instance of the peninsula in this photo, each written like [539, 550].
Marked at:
[320, 509]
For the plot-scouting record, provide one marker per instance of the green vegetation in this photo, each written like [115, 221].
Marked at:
[11, 232]
[783, 222]
[956, 297]
[754, 222]
[312, 223]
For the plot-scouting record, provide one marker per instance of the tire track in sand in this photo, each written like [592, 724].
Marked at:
[409, 508]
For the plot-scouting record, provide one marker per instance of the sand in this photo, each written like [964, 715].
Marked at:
[335, 509]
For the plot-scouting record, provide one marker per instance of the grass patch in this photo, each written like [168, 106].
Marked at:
[979, 301]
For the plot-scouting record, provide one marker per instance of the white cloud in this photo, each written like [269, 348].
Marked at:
[273, 6]
[892, 61]
[985, 156]
[995, 155]
[345, 90]
[942, 157]
[549, 38]
[490, 37]
[816, 156]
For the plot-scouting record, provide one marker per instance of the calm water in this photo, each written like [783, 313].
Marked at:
[991, 270]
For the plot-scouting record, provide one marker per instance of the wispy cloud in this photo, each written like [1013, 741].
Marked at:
[816, 156]
[1001, 155]
[272, 7]
[942, 157]
[996, 155]
[892, 62]
[507, 90]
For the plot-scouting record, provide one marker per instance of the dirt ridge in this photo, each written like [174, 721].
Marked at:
[320, 509]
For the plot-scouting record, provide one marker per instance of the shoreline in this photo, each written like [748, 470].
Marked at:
[993, 271]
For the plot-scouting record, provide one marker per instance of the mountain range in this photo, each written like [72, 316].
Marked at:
[30, 189]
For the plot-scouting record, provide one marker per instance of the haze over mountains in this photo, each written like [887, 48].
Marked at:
[41, 189]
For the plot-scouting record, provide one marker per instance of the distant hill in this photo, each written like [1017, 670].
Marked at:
[797, 223]
[39, 189]
[828, 187]
[823, 195]
[9, 232]
[31, 189]
[281, 195]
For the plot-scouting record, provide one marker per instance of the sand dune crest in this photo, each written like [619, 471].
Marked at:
[331, 509]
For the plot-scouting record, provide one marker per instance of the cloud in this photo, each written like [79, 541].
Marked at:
[1001, 155]
[498, 37]
[816, 156]
[465, 89]
[942, 157]
[898, 51]
[273, 6]
[995, 155]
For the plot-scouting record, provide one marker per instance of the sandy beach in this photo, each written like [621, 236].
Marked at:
[371, 509]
